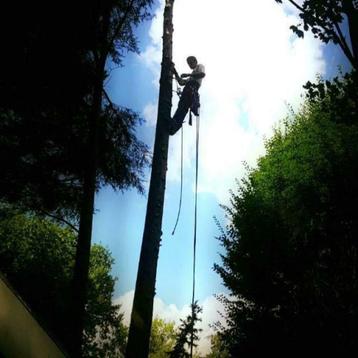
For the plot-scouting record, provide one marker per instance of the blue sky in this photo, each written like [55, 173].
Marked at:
[244, 94]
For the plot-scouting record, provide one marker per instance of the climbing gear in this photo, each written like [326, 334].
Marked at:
[192, 87]
[195, 101]
[195, 228]
[181, 180]
[195, 216]
[178, 90]
[189, 101]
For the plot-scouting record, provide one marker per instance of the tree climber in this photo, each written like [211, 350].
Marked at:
[190, 96]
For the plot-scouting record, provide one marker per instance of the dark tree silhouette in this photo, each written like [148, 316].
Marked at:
[114, 21]
[324, 19]
[141, 318]
[187, 335]
[61, 136]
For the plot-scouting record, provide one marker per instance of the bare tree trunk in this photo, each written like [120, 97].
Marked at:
[141, 318]
[79, 290]
[80, 279]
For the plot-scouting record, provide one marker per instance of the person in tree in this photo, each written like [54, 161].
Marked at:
[189, 98]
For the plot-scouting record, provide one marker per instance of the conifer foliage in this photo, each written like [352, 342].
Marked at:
[186, 332]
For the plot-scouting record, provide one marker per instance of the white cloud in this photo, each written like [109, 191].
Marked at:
[150, 112]
[171, 313]
[255, 65]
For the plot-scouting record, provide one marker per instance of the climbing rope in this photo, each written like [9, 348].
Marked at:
[195, 229]
[181, 180]
[178, 91]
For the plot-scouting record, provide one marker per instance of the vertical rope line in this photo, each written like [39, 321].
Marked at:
[195, 230]
[181, 180]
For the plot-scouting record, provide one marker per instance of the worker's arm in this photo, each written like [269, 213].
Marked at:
[180, 80]
[196, 75]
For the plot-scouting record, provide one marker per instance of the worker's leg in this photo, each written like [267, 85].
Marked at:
[180, 113]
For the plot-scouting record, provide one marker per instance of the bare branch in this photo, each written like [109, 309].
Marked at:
[296, 5]
[74, 228]
[343, 43]
[109, 100]
[338, 35]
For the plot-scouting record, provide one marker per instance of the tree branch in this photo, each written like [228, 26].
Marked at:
[109, 100]
[74, 228]
[296, 5]
[343, 44]
[338, 35]
[120, 25]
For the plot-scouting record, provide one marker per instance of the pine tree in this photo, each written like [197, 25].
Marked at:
[187, 334]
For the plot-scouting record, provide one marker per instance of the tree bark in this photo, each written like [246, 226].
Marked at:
[141, 318]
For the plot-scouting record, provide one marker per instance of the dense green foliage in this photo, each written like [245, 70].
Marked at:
[37, 256]
[291, 248]
[162, 338]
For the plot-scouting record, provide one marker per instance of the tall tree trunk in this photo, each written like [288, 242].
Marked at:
[79, 290]
[141, 318]
[80, 280]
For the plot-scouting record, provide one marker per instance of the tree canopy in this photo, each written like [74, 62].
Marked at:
[291, 248]
[38, 257]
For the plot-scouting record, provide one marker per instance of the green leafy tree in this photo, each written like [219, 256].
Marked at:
[162, 338]
[37, 256]
[324, 19]
[290, 257]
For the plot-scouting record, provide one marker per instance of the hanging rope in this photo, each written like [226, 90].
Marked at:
[195, 230]
[178, 91]
[181, 180]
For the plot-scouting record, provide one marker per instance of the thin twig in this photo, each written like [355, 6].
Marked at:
[60, 219]
[296, 5]
[109, 100]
